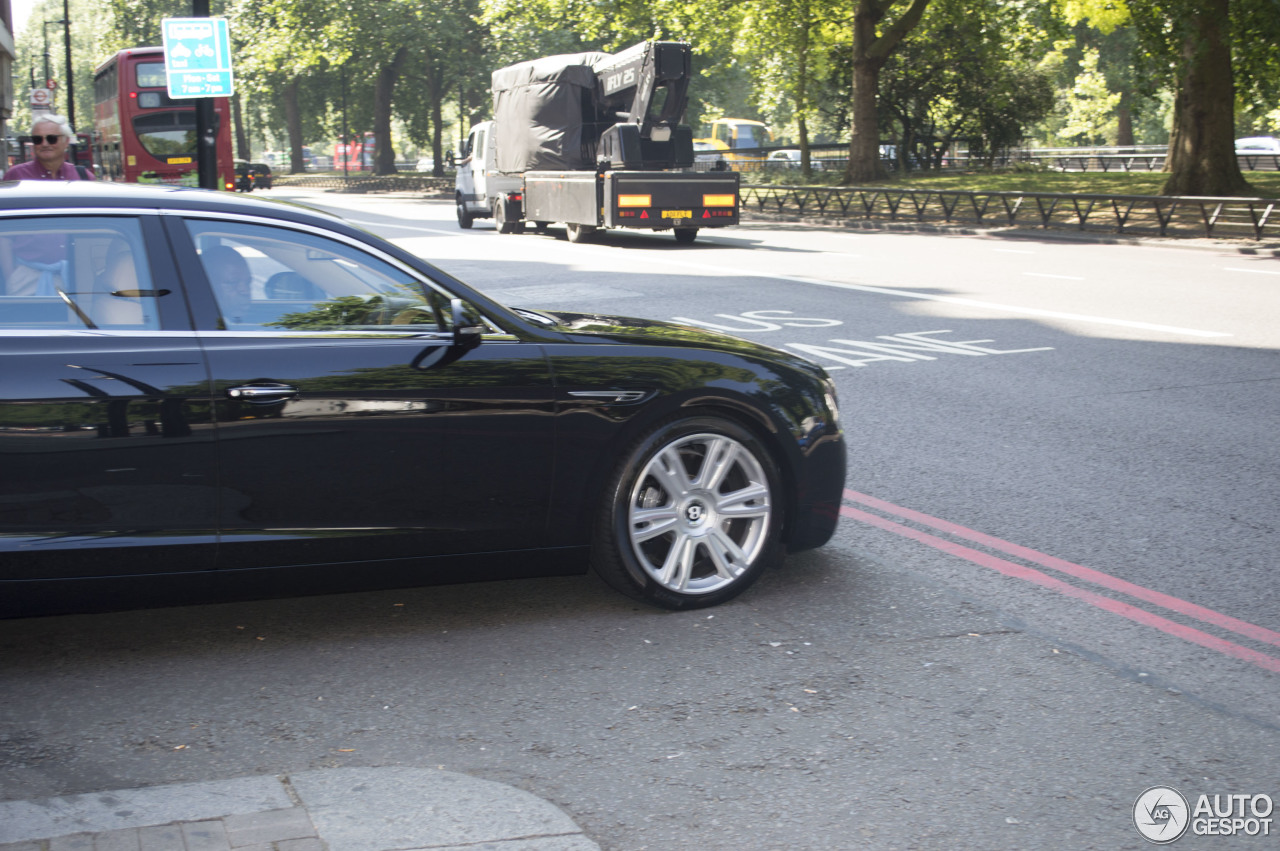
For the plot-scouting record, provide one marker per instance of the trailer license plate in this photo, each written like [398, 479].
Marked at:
[677, 214]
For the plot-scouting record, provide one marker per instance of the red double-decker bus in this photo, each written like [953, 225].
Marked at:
[144, 136]
[355, 155]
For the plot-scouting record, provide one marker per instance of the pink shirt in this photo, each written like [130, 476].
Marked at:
[32, 170]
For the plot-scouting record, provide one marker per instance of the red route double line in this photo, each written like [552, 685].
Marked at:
[1044, 580]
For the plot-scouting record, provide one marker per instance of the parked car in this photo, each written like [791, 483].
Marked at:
[790, 158]
[220, 397]
[1258, 145]
[705, 152]
[425, 165]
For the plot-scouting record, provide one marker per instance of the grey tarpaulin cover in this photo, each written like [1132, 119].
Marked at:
[538, 112]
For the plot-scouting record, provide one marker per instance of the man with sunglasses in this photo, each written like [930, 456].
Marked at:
[49, 139]
[36, 264]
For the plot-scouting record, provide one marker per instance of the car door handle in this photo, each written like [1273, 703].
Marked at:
[262, 392]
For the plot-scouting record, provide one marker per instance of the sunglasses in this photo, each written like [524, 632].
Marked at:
[52, 140]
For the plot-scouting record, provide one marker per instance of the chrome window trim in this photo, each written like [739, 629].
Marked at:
[500, 337]
[46, 212]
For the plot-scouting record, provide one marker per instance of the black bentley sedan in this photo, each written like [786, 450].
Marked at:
[206, 396]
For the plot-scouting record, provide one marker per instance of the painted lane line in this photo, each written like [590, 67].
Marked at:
[366, 223]
[1254, 271]
[1058, 277]
[1097, 577]
[967, 302]
[1018, 571]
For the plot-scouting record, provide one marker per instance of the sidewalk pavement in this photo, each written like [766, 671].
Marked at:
[339, 809]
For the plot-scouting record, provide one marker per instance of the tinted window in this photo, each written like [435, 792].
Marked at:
[278, 279]
[75, 273]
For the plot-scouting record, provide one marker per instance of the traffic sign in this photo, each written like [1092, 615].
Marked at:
[197, 57]
[41, 99]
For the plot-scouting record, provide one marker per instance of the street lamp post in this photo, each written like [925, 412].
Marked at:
[64, 22]
[48, 72]
[71, 81]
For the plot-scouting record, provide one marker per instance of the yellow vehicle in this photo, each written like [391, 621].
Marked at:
[731, 134]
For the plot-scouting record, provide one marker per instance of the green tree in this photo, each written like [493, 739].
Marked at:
[280, 46]
[968, 73]
[1210, 51]
[786, 43]
[1093, 107]
[91, 43]
[875, 37]
[447, 60]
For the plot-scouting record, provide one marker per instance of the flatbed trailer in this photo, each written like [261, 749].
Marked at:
[639, 200]
[594, 141]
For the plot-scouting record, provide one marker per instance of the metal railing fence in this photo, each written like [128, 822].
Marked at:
[1135, 214]
[1255, 218]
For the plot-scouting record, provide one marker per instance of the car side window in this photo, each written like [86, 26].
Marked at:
[277, 279]
[76, 273]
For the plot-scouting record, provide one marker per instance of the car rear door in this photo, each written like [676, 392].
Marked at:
[350, 427]
[106, 436]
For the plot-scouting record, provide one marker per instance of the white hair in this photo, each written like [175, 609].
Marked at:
[60, 120]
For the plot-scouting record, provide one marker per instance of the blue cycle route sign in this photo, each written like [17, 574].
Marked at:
[197, 57]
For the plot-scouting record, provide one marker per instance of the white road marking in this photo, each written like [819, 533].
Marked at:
[1005, 308]
[1254, 271]
[365, 223]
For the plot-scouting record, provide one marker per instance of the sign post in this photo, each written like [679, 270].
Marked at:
[197, 61]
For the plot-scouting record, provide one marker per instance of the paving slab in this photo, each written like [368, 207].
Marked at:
[345, 809]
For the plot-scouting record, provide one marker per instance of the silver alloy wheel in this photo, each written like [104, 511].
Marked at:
[699, 513]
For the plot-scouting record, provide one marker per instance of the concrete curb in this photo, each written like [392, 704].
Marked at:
[340, 809]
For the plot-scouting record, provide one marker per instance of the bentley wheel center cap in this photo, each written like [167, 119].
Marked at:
[696, 514]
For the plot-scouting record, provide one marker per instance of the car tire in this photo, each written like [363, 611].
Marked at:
[500, 219]
[685, 236]
[579, 233]
[464, 218]
[691, 517]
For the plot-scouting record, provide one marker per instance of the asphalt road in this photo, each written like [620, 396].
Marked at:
[1052, 589]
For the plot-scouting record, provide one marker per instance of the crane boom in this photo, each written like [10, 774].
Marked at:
[645, 89]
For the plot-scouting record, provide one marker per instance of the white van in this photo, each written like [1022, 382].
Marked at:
[478, 185]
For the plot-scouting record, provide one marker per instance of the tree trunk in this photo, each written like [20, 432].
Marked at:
[1202, 158]
[384, 88]
[436, 92]
[802, 92]
[242, 139]
[1124, 120]
[864, 140]
[872, 47]
[293, 126]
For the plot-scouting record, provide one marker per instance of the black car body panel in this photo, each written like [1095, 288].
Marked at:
[180, 455]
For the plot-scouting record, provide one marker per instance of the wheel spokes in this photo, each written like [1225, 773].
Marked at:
[649, 523]
[751, 501]
[678, 566]
[700, 513]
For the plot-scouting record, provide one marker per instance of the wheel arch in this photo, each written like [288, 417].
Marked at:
[773, 436]
[770, 434]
